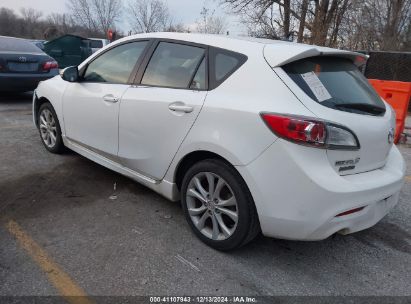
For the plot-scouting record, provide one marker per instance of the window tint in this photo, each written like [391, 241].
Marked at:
[172, 65]
[336, 83]
[199, 81]
[224, 65]
[116, 65]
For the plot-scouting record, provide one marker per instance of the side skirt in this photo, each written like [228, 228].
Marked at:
[165, 188]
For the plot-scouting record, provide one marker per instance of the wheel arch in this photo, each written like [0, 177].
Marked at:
[190, 159]
[38, 101]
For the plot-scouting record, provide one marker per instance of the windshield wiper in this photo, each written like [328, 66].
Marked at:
[363, 107]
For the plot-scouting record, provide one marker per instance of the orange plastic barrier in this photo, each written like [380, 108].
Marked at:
[398, 95]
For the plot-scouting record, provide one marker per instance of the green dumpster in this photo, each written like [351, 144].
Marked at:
[68, 50]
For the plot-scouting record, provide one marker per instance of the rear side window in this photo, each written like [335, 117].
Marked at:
[335, 83]
[115, 65]
[223, 64]
[173, 65]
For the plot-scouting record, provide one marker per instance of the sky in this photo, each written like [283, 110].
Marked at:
[184, 11]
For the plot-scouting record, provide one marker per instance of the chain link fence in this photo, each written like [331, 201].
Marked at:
[388, 66]
[394, 66]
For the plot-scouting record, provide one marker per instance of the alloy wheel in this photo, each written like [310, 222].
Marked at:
[212, 206]
[48, 128]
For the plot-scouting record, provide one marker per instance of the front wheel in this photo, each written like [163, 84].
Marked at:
[218, 206]
[49, 128]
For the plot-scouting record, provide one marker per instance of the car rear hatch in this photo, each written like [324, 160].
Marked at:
[329, 83]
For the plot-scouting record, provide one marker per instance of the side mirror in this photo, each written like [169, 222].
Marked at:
[70, 74]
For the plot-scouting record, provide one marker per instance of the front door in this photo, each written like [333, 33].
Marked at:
[91, 106]
[156, 115]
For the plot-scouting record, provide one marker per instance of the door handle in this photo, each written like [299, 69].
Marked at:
[180, 107]
[111, 98]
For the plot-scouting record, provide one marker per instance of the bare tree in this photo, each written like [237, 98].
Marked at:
[376, 25]
[95, 15]
[353, 24]
[314, 18]
[30, 17]
[391, 19]
[148, 16]
[303, 17]
[63, 22]
[406, 45]
[209, 23]
[30, 24]
[176, 27]
[261, 25]
[8, 22]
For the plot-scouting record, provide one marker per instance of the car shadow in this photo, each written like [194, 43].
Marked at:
[384, 234]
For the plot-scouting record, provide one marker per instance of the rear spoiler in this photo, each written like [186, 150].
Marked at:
[279, 54]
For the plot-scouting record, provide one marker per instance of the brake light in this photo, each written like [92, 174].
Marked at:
[47, 66]
[296, 129]
[310, 131]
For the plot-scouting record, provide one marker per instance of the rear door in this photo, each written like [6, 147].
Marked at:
[334, 89]
[157, 113]
[91, 106]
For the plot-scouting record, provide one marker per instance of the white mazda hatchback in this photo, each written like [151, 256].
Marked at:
[251, 135]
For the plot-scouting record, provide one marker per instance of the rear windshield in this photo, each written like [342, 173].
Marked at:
[335, 83]
[17, 45]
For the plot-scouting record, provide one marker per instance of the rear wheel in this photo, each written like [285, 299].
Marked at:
[49, 128]
[218, 206]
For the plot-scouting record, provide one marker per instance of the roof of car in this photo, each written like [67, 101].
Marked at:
[276, 52]
[280, 51]
[209, 39]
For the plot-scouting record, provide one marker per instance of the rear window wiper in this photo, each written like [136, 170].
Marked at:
[364, 107]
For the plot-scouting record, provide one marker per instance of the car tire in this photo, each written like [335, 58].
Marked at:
[49, 129]
[227, 205]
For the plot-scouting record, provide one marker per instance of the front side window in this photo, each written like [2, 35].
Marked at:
[173, 65]
[115, 65]
[335, 83]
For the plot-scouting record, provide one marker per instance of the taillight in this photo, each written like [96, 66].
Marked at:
[313, 132]
[47, 66]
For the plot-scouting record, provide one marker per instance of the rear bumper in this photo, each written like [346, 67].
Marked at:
[13, 82]
[358, 221]
[298, 195]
